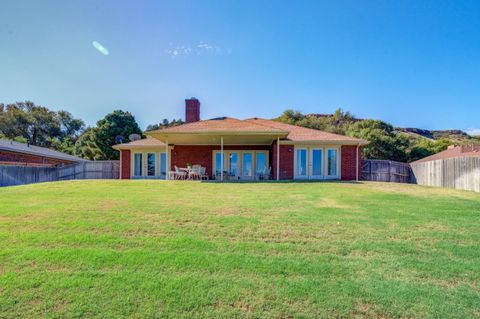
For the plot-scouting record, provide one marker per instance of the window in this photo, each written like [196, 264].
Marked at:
[247, 164]
[261, 163]
[151, 164]
[233, 161]
[302, 162]
[317, 162]
[332, 162]
[163, 163]
[218, 163]
[137, 164]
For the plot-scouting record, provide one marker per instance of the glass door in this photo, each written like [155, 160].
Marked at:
[332, 163]
[137, 165]
[163, 165]
[301, 163]
[233, 171]
[261, 165]
[316, 155]
[151, 164]
[247, 165]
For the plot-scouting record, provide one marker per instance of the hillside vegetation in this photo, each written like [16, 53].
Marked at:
[386, 141]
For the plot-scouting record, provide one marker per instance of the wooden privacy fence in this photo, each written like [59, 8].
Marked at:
[386, 171]
[18, 175]
[458, 173]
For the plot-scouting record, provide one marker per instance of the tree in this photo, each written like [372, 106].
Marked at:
[164, 124]
[39, 125]
[384, 143]
[96, 143]
[86, 146]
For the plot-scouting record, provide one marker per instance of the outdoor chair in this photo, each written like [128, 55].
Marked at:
[195, 172]
[203, 173]
[268, 174]
[179, 174]
[265, 174]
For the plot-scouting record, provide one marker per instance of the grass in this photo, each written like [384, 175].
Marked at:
[197, 250]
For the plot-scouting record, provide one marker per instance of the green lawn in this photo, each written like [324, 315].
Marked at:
[268, 250]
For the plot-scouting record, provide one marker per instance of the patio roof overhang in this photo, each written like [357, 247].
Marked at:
[215, 138]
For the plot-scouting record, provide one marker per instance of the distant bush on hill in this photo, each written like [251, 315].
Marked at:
[386, 141]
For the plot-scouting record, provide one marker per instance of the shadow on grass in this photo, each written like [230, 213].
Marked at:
[285, 181]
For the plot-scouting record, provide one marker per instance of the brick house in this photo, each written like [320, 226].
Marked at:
[242, 150]
[15, 153]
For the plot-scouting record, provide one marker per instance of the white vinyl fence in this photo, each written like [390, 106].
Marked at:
[18, 175]
[458, 173]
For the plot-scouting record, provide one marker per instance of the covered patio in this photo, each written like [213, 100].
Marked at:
[222, 155]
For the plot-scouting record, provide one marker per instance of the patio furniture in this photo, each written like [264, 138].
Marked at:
[203, 173]
[179, 173]
[265, 174]
[171, 175]
[194, 172]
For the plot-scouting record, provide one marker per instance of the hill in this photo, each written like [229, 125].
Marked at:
[386, 141]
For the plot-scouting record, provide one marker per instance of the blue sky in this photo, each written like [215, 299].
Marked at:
[412, 63]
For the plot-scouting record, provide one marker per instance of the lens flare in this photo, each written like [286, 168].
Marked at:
[100, 48]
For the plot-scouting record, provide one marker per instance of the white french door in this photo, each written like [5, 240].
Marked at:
[247, 165]
[332, 167]
[301, 163]
[233, 165]
[316, 160]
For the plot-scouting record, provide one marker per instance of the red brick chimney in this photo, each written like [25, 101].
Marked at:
[192, 110]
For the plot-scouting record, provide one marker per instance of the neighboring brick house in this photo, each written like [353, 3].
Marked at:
[249, 149]
[14, 153]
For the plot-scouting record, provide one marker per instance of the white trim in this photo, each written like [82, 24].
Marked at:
[322, 163]
[295, 161]
[309, 150]
[338, 168]
[158, 164]
[240, 161]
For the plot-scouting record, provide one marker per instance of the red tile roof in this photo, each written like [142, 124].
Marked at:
[303, 134]
[454, 151]
[221, 124]
[143, 143]
[257, 125]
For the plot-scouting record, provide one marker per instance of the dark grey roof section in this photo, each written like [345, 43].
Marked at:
[17, 147]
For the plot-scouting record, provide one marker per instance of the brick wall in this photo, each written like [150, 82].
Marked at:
[182, 155]
[286, 161]
[349, 163]
[12, 157]
[125, 164]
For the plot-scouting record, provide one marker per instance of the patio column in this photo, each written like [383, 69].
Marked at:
[167, 167]
[278, 158]
[221, 156]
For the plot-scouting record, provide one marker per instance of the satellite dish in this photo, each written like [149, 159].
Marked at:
[134, 137]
